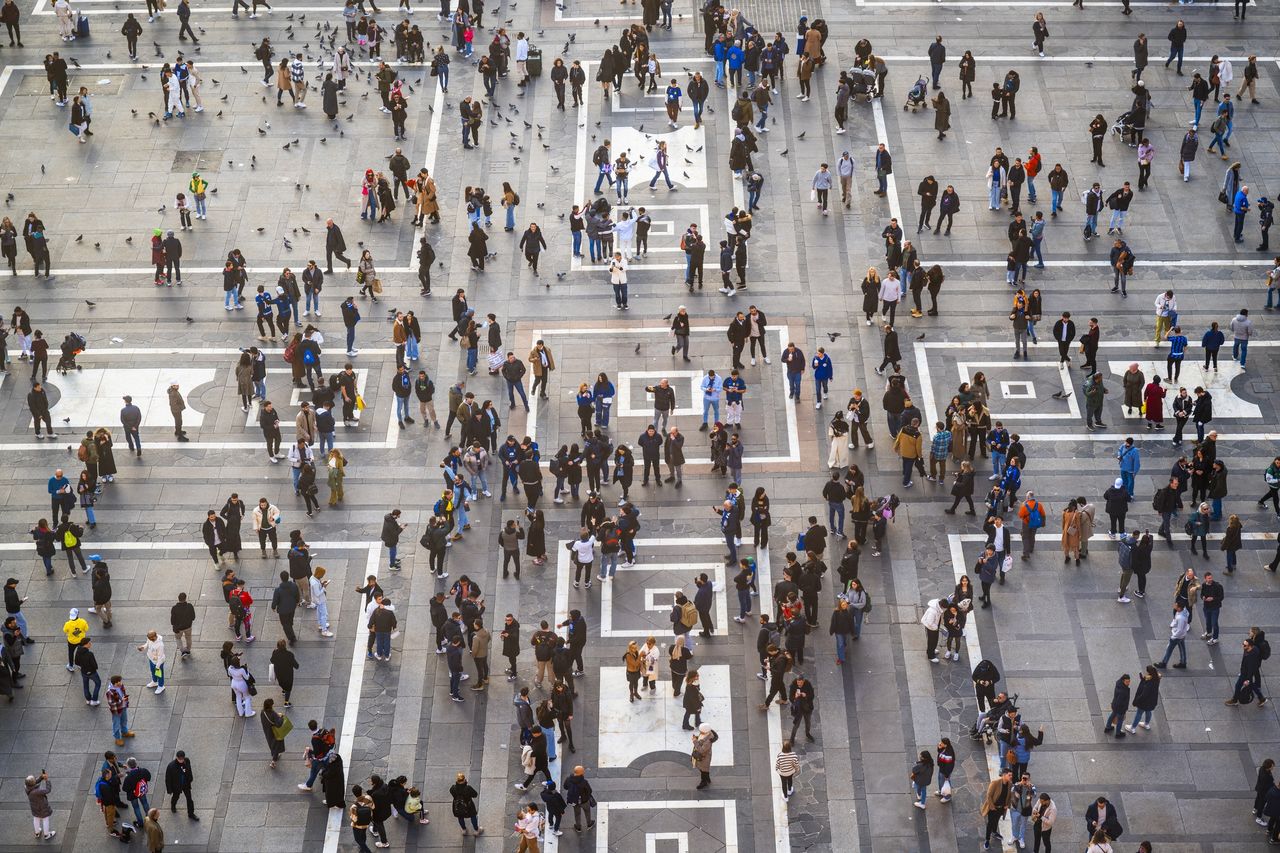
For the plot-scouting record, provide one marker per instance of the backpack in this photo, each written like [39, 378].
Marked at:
[237, 606]
[610, 539]
[83, 454]
[600, 157]
[515, 197]
[1035, 516]
[1188, 529]
[1265, 648]
[289, 351]
[688, 615]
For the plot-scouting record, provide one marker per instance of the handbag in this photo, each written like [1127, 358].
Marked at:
[359, 403]
[1007, 565]
[279, 732]
[74, 128]
[1222, 197]
[377, 285]
[359, 276]
[1011, 757]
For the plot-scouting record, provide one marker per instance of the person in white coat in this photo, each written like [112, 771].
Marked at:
[154, 648]
[341, 67]
[624, 232]
[618, 278]
[66, 20]
[932, 622]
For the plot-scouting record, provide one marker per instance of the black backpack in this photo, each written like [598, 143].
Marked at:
[601, 156]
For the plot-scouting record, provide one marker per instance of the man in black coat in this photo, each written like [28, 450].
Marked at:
[178, 777]
[1102, 815]
[334, 246]
[1064, 332]
[802, 695]
[284, 602]
[1119, 706]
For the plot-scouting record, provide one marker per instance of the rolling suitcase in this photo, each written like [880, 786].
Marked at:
[82, 26]
[534, 62]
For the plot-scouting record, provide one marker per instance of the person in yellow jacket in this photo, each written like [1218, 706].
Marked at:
[909, 444]
[198, 186]
[77, 631]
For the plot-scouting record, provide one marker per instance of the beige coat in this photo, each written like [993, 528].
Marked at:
[813, 44]
[702, 753]
[244, 379]
[536, 360]
[1070, 531]
[427, 204]
[480, 644]
[305, 423]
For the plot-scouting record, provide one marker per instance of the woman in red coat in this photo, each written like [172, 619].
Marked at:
[1153, 400]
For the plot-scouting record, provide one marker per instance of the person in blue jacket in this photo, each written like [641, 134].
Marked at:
[1130, 463]
[735, 57]
[822, 372]
[1212, 342]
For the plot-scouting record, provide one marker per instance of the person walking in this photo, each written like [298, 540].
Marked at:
[995, 802]
[154, 649]
[703, 741]
[1178, 629]
[178, 778]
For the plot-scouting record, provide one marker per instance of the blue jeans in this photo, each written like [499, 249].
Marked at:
[120, 724]
[1055, 200]
[140, 808]
[1141, 716]
[820, 387]
[720, 72]
[229, 299]
[455, 678]
[382, 644]
[731, 543]
[1239, 351]
[842, 643]
[594, 248]
[259, 388]
[88, 513]
[1127, 480]
[1175, 50]
[391, 555]
[511, 217]
[997, 462]
[604, 176]
[351, 338]
[473, 357]
[922, 792]
[753, 199]
[697, 111]
[835, 516]
[411, 349]
[1180, 645]
[402, 408]
[322, 614]
[577, 243]
[620, 294]
[602, 412]
[1216, 506]
[1019, 821]
[622, 186]
[882, 182]
[1117, 219]
[297, 474]
[1227, 136]
[653, 182]
[370, 207]
[764, 118]
[1091, 224]
[744, 603]
[157, 673]
[443, 74]
[608, 565]
[460, 515]
[1211, 621]
[200, 205]
[993, 196]
[710, 405]
[1036, 253]
[793, 385]
[324, 443]
[1031, 190]
[512, 389]
[94, 679]
[22, 623]
[857, 623]
[479, 478]
[311, 301]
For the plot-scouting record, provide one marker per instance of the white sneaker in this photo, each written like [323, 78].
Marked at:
[1124, 599]
[152, 684]
[326, 633]
[159, 689]
[766, 360]
[317, 312]
[200, 110]
[753, 361]
[918, 805]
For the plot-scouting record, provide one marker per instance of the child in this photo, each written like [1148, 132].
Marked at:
[413, 807]
[997, 98]
[555, 804]
[495, 361]
[184, 213]
[951, 621]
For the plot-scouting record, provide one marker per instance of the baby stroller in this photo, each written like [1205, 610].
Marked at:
[918, 97]
[72, 345]
[863, 83]
[1124, 125]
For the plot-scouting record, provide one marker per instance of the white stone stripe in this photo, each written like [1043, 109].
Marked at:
[973, 648]
[729, 807]
[433, 146]
[891, 183]
[186, 546]
[773, 720]
[351, 708]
